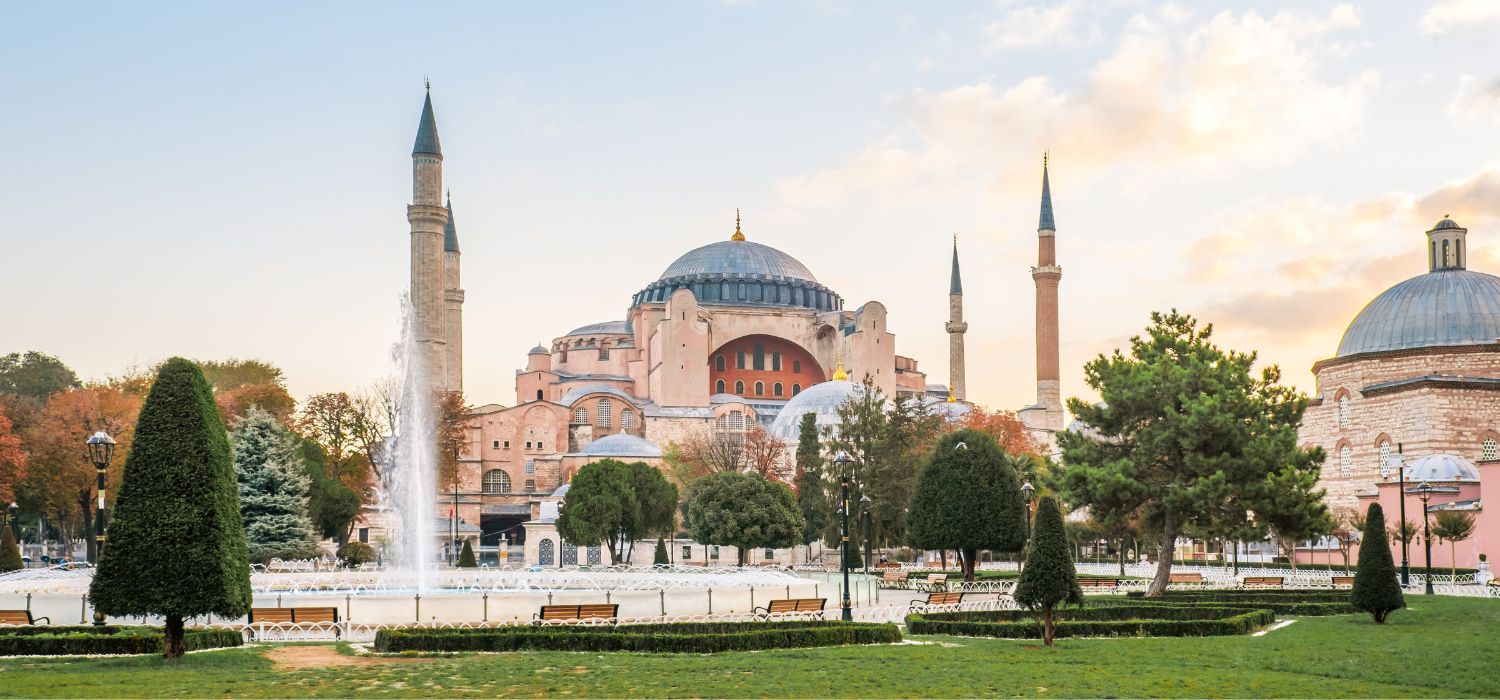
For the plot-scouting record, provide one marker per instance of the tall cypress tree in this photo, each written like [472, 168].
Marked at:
[273, 490]
[811, 499]
[1049, 578]
[1376, 590]
[176, 546]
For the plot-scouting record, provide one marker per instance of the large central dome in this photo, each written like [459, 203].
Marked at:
[739, 258]
[1441, 308]
[738, 272]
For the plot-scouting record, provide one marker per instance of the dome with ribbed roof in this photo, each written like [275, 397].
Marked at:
[1445, 307]
[822, 400]
[740, 272]
[1440, 467]
[621, 445]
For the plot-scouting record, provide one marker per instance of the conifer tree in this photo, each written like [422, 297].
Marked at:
[1049, 578]
[176, 547]
[659, 557]
[968, 498]
[1376, 590]
[10, 552]
[466, 557]
[273, 490]
[811, 499]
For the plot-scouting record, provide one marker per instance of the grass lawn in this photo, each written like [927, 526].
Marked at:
[1442, 647]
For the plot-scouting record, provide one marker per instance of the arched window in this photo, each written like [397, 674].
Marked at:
[739, 360]
[1489, 449]
[627, 420]
[496, 481]
[719, 387]
[605, 418]
[544, 553]
[1432, 256]
[760, 388]
[538, 394]
[731, 427]
[760, 356]
[580, 415]
[739, 387]
[1458, 253]
[796, 389]
[1384, 450]
[796, 366]
[1346, 461]
[776, 389]
[1344, 410]
[531, 486]
[1446, 259]
[776, 361]
[569, 554]
[719, 362]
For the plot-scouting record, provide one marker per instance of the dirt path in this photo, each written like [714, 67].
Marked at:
[298, 658]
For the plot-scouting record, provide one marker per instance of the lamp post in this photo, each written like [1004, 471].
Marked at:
[843, 460]
[1027, 491]
[864, 514]
[101, 449]
[1405, 565]
[12, 512]
[1424, 491]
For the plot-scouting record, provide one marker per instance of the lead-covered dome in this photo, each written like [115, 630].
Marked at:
[739, 272]
[1440, 467]
[822, 400]
[1441, 308]
[739, 258]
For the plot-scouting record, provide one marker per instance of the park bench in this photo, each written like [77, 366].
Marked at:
[1098, 583]
[587, 611]
[895, 576]
[20, 617]
[1343, 581]
[1262, 582]
[936, 582]
[1185, 577]
[295, 616]
[888, 565]
[793, 605]
[938, 598]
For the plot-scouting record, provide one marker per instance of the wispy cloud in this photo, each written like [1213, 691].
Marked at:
[1476, 99]
[1447, 15]
[1034, 26]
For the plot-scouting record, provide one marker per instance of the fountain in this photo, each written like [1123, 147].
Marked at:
[409, 481]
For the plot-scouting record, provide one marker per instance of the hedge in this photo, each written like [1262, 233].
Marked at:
[1337, 569]
[1337, 604]
[1101, 621]
[685, 637]
[44, 640]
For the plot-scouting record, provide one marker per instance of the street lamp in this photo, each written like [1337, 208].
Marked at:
[13, 511]
[843, 460]
[864, 514]
[101, 449]
[1424, 491]
[1405, 564]
[1027, 491]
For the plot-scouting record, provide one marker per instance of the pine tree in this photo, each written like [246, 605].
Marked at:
[10, 552]
[466, 557]
[1049, 577]
[176, 547]
[1376, 590]
[660, 557]
[968, 498]
[811, 499]
[273, 490]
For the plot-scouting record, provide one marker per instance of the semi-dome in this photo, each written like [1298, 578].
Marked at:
[822, 400]
[603, 328]
[621, 445]
[741, 273]
[1440, 467]
[1444, 307]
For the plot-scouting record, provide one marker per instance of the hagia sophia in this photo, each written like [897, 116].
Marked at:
[735, 334]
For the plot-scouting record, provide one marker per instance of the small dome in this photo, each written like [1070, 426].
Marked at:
[1446, 223]
[951, 410]
[603, 328]
[561, 491]
[539, 350]
[822, 399]
[621, 445]
[1441, 308]
[1443, 467]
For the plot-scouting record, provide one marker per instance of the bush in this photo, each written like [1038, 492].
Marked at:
[659, 557]
[684, 637]
[10, 552]
[1376, 590]
[1100, 621]
[1049, 578]
[1316, 605]
[466, 557]
[356, 553]
[77, 640]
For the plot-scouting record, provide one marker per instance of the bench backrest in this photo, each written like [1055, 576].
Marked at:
[1343, 580]
[591, 611]
[797, 605]
[1263, 580]
[292, 615]
[1193, 577]
[15, 617]
[894, 575]
[949, 598]
[1094, 581]
[937, 578]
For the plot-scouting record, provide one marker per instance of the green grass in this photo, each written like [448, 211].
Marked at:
[1442, 647]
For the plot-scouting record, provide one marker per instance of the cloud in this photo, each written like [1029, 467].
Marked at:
[1030, 27]
[1238, 88]
[1446, 15]
[1476, 99]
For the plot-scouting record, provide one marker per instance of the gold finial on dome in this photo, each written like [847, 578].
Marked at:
[737, 235]
[951, 397]
[839, 375]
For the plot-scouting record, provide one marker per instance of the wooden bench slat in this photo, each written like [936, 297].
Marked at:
[1193, 577]
[16, 617]
[294, 615]
[587, 611]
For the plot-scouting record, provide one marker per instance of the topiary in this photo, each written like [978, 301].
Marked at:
[1049, 577]
[661, 559]
[176, 546]
[1375, 588]
[466, 557]
[356, 553]
[968, 498]
[10, 553]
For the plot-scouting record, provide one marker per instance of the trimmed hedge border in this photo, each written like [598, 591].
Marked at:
[683, 637]
[84, 640]
[1100, 621]
[1294, 603]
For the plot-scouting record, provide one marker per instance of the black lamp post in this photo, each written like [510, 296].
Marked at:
[843, 460]
[101, 449]
[864, 514]
[12, 512]
[1027, 491]
[1424, 491]
[1405, 564]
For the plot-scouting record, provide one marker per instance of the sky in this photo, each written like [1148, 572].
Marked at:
[219, 180]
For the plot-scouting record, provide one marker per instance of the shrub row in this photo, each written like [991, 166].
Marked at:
[68, 641]
[1337, 569]
[1242, 593]
[1279, 602]
[1103, 621]
[687, 637]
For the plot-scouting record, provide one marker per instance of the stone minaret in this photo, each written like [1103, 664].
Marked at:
[453, 304]
[1046, 274]
[428, 218]
[956, 328]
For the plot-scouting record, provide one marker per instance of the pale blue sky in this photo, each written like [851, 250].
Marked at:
[221, 180]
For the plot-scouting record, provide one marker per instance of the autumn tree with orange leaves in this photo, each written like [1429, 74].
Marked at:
[13, 459]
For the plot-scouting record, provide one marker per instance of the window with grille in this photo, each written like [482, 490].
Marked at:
[605, 417]
[627, 420]
[776, 361]
[1489, 449]
[739, 360]
[497, 444]
[1346, 461]
[531, 486]
[719, 387]
[796, 366]
[776, 389]
[760, 388]
[507, 444]
[719, 362]
[1385, 465]
[496, 481]
[796, 389]
[739, 387]
[580, 415]
[759, 360]
[530, 466]
[1344, 411]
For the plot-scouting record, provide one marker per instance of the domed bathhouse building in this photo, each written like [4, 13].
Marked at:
[1416, 380]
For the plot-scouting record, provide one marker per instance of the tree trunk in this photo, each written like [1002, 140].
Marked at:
[739, 553]
[971, 559]
[173, 644]
[1453, 560]
[1164, 562]
[1047, 626]
[1122, 556]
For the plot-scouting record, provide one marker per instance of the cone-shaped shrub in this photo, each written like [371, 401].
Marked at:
[661, 559]
[176, 544]
[1375, 588]
[466, 557]
[1049, 578]
[10, 553]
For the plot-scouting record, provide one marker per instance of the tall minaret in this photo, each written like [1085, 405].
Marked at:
[1046, 274]
[428, 218]
[453, 304]
[956, 328]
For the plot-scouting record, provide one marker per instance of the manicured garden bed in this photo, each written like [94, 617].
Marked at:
[685, 637]
[1120, 619]
[46, 640]
[1286, 603]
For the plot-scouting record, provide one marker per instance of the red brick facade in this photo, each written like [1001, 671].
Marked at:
[754, 367]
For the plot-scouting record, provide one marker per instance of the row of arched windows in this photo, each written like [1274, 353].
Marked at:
[748, 291]
[604, 416]
[757, 361]
[496, 481]
[777, 389]
[1385, 453]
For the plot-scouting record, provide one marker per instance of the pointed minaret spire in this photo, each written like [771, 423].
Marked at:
[1046, 223]
[955, 282]
[738, 236]
[450, 232]
[427, 133]
[956, 327]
